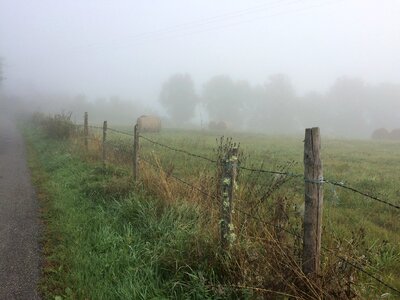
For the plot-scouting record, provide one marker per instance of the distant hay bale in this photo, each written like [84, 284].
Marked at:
[380, 134]
[395, 134]
[222, 125]
[149, 124]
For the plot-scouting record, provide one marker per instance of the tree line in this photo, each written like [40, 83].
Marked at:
[350, 107]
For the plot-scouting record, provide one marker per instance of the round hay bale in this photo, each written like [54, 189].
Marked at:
[380, 134]
[149, 124]
[395, 134]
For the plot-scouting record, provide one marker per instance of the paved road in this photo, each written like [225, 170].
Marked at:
[19, 224]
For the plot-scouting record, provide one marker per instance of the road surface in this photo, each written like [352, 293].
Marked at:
[19, 222]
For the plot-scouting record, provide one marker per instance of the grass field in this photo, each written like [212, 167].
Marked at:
[354, 226]
[367, 165]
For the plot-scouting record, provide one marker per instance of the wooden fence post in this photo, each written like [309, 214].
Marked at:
[228, 185]
[86, 130]
[104, 143]
[313, 177]
[136, 153]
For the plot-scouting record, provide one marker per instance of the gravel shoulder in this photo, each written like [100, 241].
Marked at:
[19, 219]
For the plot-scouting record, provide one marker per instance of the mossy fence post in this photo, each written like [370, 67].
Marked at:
[136, 153]
[228, 185]
[313, 178]
[86, 130]
[104, 143]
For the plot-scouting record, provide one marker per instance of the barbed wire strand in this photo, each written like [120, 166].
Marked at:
[321, 181]
[121, 132]
[326, 249]
[179, 179]
[108, 129]
[361, 269]
[178, 150]
[342, 185]
[289, 174]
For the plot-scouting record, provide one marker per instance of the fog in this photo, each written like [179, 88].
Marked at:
[270, 66]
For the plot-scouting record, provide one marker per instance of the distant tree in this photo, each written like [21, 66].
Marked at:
[349, 106]
[280, 88]
[179, 98]
[1, 71]
[275, 107]
[225, 99]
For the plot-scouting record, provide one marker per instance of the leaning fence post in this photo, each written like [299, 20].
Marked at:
[228, 184]
[104, 143]
[86, 130]
[136, 153]
[313, 177]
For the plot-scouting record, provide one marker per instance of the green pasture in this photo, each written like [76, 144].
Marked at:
[369, 166]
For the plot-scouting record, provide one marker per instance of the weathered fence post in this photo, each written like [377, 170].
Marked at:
[104, 143]
[313, 177]
[136, 153]
[228, 185]
[86, 130]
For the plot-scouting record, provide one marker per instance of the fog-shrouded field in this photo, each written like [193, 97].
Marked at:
[266, 66]
[260, 72]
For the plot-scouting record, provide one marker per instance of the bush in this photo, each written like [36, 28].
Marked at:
[58, 126]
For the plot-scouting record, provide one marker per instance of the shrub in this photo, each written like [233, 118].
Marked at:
[58, 126]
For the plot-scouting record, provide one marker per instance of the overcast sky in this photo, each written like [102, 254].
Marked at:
[128, 48]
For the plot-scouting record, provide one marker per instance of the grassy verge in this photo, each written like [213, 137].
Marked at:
[114, 244]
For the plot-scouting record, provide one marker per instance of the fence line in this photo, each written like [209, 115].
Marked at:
[289, 174]
[297, 236]
[274, 172]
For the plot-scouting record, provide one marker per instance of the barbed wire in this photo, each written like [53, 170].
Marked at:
[120, 131]
[178, 150]
[321, 181]
[361, 269]
[289, 174]
[342, 185]
[179, 179]
[297, 236]
[108, 129]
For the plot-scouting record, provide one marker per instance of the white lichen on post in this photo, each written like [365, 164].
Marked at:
[229, 184]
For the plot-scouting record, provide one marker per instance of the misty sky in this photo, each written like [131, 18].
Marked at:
[129, 48]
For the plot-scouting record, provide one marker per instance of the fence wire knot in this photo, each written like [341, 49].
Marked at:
[320, 180]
